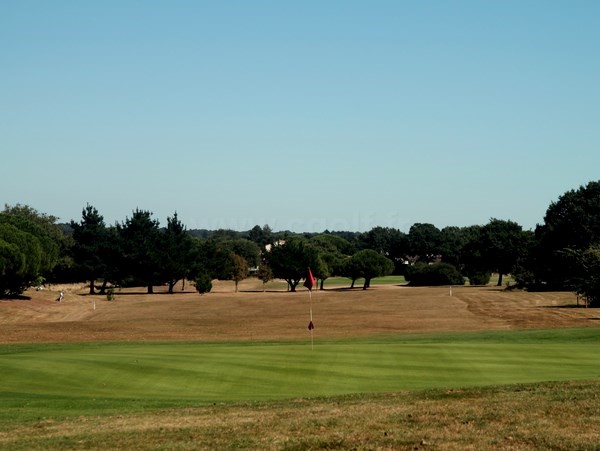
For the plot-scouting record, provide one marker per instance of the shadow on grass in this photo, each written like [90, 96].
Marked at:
[18, 297]
[138, 293]
[298, 290]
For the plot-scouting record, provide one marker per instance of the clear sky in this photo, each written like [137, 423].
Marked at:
[304, 115]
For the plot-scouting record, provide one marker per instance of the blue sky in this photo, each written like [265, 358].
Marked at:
[311, 115]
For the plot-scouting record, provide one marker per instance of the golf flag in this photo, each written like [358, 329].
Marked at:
[310, 280]
[309, 283]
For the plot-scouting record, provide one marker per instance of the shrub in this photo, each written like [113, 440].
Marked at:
[203, 283]
[479, 278]
[423, 274]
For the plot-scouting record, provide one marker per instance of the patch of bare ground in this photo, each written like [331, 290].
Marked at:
[252, 314]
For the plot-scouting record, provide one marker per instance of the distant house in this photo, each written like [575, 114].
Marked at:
[270, 246]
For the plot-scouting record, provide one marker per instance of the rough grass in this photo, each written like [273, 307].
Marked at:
[539, 416]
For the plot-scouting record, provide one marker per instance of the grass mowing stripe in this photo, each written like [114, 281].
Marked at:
[134, 375]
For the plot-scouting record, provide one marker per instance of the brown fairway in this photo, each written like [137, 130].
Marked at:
[252, 314]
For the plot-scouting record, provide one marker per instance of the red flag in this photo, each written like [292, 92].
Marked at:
[310, 280]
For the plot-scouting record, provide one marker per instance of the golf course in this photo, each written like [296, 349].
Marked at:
[392, 367]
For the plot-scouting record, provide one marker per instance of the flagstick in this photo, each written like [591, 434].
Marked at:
[312, 342]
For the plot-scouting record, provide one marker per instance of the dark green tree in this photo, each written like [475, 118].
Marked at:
[425, 274]
[177, 252]
[587, 281]
[462, 248]
[143, 250]
[210, 258]
[453, 243]
[389, 242]
[247, 249]
[20, 260]
[350, 269]
[327, 256]
[261, 235]
[370, 264]
[203, 283]
[502, 244]
[41, 226]
[572, 222]
[424, 242]
[91, 246]
[13, 265]
[290, 261]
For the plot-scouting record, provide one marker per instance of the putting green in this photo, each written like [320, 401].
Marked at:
[166, 374]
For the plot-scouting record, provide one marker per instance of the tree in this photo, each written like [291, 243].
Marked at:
[31, 244]
[370, 264]
[522, 272]
[244, 248]
[142, 247]
[587, 283]
[203, 283]
[424, 274]
[502, 243]
[327, 256]
[468, 257]
[454, 241]
[20, 260]
[572, 222]
[261, 235]
[177, 252]
[335, 243]
[209, 258]
[114, 259]
[264, 273]
[389, 242]
[349, 268]
[12, 267]
[41, 226]
[424, 242]
[239, 269]
[290, 261]
[91, 246]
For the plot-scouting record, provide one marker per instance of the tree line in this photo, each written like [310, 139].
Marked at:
[562, 253]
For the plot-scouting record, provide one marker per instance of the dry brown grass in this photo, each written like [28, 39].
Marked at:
[278, 315]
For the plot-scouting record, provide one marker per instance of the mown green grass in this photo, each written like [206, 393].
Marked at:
[58, 380]
[341, 282]
[344, 282]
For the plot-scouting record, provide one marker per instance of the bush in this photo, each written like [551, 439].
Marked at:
[422, 274]
[480, 278]
[203, 284]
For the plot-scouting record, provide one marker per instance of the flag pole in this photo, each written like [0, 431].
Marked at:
[309, 282]
[312, 341]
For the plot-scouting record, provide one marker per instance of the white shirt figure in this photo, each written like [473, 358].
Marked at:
[60, 296]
